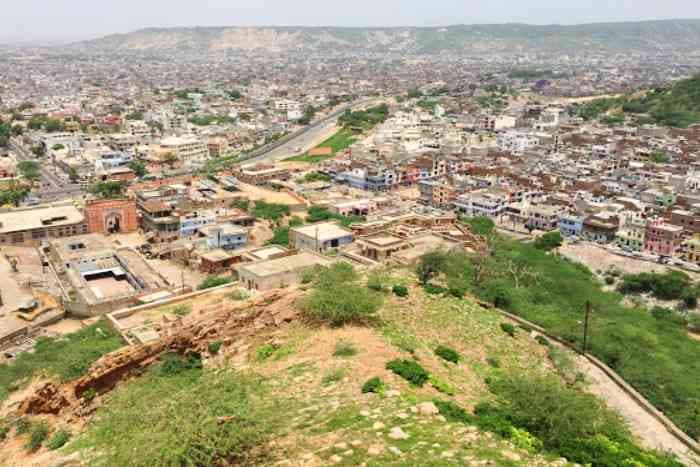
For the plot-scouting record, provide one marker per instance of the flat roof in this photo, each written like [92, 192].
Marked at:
[286, 264]
[323, 231]
[15, 221]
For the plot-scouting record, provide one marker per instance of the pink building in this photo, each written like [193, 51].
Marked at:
[662, 239]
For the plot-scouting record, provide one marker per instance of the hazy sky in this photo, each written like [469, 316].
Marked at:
[24, 20]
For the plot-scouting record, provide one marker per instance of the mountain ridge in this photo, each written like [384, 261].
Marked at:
[681, 34]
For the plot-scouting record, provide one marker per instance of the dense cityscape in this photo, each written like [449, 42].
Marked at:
[422, 255]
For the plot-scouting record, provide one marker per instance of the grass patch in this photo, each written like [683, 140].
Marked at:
[192, 417]
[340, 141]
[345, 349]
[38, 435]
[58, 440]
[447, 354]
[374, 385]
[214, 281]
[66, 358]
[333, 376]
[238, 295]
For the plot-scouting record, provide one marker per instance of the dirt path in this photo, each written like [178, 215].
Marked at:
[651, 433]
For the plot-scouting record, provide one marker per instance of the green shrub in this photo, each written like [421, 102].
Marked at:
[174, 364]
[182, 310]
[409, 370]
[447, 354]
[344, 349]
[481, 225]
[39, 433]
[610, 280]
[400, 291]
[493, 362]
[549, 241]
[433, 289]
[374, 385]
[430, 265]
[568, 422]
[668, 286]
[333, 376]
[214, 347]
[453, 412]
[442, 386]
[238, 295]
[89, 394]
[264, 352]
[508, 329]
[214, 281]
[58, 440]
[4, 430]
[542, 340]
[339, 299]
[23, 426]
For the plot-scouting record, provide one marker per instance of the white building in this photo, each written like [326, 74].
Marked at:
[190, 150]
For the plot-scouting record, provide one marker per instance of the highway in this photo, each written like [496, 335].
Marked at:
[305, 138]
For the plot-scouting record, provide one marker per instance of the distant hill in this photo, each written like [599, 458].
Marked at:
[467, 39]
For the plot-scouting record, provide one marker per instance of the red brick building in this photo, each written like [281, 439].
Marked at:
[111, 216]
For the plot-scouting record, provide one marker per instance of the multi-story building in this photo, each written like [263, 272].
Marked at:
[188, 149]
[192, 222]
[319, 237]
[662, 239]
[570, 225]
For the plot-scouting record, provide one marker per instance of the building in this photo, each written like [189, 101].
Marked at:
[691, 249]
[31, 227]
[101, 278]
[159, 222]
[570, 226]
[279, 272]
[191, 223]
[111, 216]
[662, 239]
[319, 237]
[188, 149]
[601, 227]
[224, 236]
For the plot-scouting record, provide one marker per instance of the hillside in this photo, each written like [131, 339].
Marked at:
[423, 380]
[676, 105]
[464, 39]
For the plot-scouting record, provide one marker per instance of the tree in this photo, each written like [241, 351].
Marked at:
[73, 175]
[111, 189]
[549, 241]
[30, 170]
[39, 150]
[430, 265]
[481, 225]
[138, 167]
[135, 116]
[5, 132]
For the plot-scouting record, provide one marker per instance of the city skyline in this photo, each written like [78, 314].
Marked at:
[79, 19]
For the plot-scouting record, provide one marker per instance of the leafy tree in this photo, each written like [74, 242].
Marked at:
[39, 150]
[30, 170]
[549, 241]
[138, 167]
[73, 174]
[5, 132]
[659, 157]
[108, 190]
[270, 211]
[135, 116]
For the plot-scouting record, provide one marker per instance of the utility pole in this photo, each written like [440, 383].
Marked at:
[585, 326]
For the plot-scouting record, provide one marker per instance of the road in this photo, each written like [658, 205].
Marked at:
[57, 188]
[305, 138]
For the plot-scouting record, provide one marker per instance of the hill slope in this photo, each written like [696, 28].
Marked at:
[468, 39]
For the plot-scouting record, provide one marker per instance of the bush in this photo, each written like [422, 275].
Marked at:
[238, 295]
[610, 280]
[214, 347]
[453, 412]
[568, 422]
[433, 289]
[339, 299]
[508, 329]
[374, 385]
[542, 340]
[58, 440]
[447, 354]
[264, 352]
[214, 281]
[344, 349]
[480, 225]
[89, 394]
[669, 286]
[4, 430]
[442, 386]
[409, 370]
[549, 241]
[493, 362]
[400, 291]
[39, 433]
[430, 265]
[174, 364]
